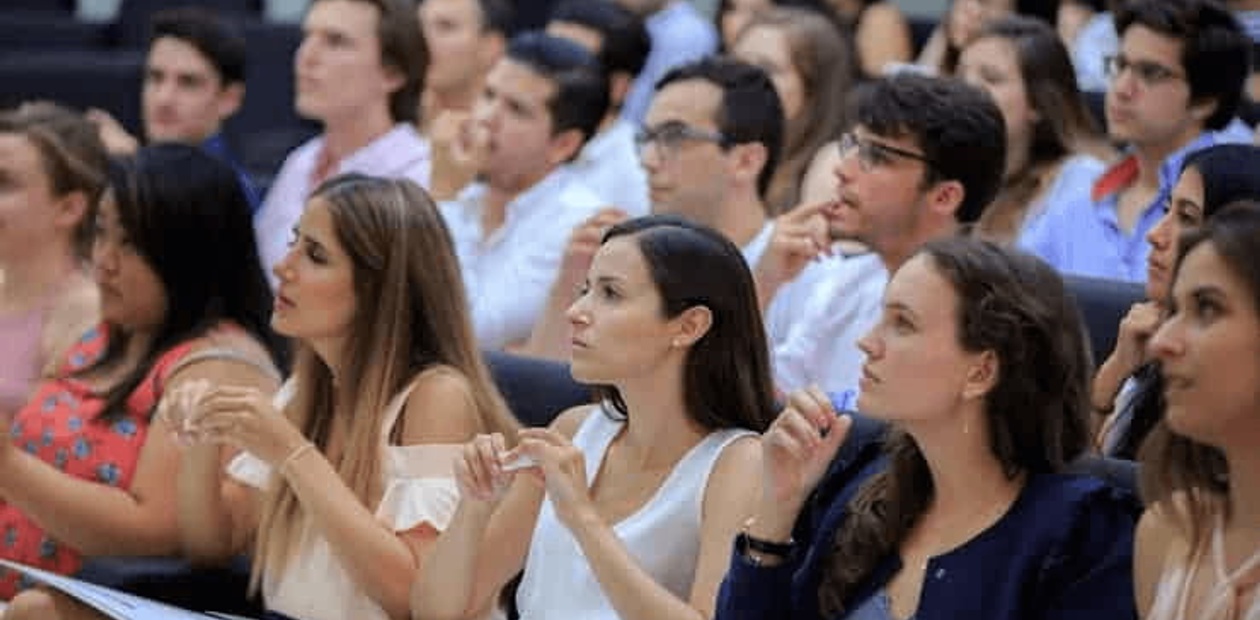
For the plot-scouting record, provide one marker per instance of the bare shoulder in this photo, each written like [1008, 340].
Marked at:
[227, 356]
[739, 462]
[734, 482]
[440, 408]
[1156, 533]
[1156, 541]
[568, 422]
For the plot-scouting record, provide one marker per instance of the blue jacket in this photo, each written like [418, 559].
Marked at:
[1064, 550]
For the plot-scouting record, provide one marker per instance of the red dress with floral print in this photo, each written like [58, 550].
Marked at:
[58, 424]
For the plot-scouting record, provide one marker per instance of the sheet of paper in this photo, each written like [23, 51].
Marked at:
[113, 603]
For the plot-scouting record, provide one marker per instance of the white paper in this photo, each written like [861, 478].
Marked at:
[113, 603]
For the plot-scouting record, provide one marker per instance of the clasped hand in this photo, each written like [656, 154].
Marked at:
[237, 416]
[486, 470]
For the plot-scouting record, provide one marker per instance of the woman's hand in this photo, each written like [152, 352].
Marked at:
[245, 418]
[798, 447]
[1135, 330]
[179, 408]
[479, 470]
[562, 468]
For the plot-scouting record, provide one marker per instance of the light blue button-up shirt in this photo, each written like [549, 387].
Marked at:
[679, 34]
[1082, 236]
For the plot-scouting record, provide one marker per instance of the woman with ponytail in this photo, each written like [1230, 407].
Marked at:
[952, 502]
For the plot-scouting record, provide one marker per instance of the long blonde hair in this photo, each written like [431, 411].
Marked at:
[411, 315]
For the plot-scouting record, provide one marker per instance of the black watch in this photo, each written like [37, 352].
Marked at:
[745, 543]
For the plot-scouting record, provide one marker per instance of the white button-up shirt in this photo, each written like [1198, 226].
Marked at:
[815, 321]
[400, 152]
[509, 272]
[609, 165]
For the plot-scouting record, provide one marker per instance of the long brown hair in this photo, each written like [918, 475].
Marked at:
[1184, 479]
[411, 315]
[1064, 126]
[823, 55]
[1016, 306]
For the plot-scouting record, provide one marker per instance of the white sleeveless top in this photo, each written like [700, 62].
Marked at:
[663, 535]
[1172, 596]
[419, 489]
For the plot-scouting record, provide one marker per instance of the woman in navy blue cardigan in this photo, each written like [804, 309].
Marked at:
[951, 502]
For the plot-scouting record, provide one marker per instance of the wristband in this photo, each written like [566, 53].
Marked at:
[293, 456]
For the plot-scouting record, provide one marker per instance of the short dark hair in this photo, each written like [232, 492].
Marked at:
[750, 110]
[212, 37]
[403, 50]
[957, 126]
[1215, 54]
[496, 16]
[626, 42]
[581, 97]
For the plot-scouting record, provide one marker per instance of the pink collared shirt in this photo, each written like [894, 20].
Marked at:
[401, 152]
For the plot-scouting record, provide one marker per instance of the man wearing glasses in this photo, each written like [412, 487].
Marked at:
[1174, 86]
[709, 147]
[924, 158]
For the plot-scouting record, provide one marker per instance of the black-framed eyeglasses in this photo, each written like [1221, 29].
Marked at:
[1147, 72]
[873, 154]
[668, 137]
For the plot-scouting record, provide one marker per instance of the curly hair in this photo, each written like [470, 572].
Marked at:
[1016, 306]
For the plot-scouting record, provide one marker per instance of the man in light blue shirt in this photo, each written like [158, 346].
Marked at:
[1175, 85]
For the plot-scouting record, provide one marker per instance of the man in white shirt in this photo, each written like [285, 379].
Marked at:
[541, 102]
[924, 158]
[359, 72]
[709, 146]
[609, 163]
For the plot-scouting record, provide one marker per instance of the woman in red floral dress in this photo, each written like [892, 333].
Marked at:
[85, 466]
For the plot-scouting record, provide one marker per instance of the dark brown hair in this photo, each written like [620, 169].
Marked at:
[727, 377]
[410, 315]
[1176, 467]
[823, 56]
[1064, 125]
[1016, 306]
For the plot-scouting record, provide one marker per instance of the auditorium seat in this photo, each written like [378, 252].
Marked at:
[536, 390]
[131, 27]
[36, 31]
[104, 79]
[1102, 304]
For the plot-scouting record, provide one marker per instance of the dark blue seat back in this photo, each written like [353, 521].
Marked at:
[536, 390]
[1103, 303]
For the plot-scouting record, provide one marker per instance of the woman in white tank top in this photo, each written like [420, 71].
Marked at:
[1197, 552]
[625, 509]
